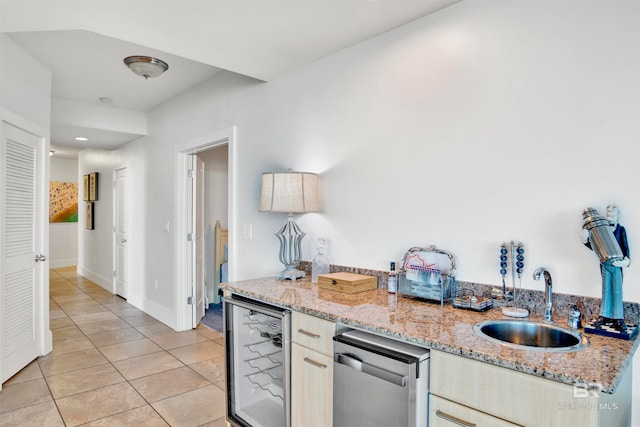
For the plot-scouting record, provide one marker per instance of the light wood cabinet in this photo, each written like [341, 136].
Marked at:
[524, 399]
[312, 388]
[445, 413]
[313, 332]
[311, 371]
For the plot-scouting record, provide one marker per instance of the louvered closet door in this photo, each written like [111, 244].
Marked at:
[20, 275]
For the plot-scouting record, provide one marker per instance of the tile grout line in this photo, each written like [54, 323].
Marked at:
[51, 393]
[111, 363]
[85, 289]
[55, 402]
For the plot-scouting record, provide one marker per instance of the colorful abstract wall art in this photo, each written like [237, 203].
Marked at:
[63, 201]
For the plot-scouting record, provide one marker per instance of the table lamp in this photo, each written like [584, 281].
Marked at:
[289, 192]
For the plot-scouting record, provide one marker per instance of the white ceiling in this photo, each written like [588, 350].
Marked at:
[84, 42]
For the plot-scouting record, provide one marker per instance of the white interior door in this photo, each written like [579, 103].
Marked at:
[121, 233]
[20, 243]
[198, 234]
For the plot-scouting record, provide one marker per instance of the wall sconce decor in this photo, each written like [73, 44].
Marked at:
[89, 216]
[93, 186]
[85, 191]
[289, 192]
[90, 195]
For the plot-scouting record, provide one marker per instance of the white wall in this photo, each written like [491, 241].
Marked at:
[151, 286]
[95, 258]
[63, 236]
[95, 116]
[153, 178]
[463, 129]
[25, 85]
[216, 185]
[484, 122]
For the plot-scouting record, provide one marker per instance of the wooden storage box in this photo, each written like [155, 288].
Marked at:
[347, 282]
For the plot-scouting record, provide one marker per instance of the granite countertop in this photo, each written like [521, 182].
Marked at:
[445, 328]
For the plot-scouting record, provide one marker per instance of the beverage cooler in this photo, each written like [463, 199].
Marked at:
[258, 346]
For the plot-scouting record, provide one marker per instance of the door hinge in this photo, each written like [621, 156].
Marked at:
[189, 237]
[190, 300]
[114, 273]
[190, 173]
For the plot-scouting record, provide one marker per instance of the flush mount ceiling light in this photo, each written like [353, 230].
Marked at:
[146, 66]
[81, 138]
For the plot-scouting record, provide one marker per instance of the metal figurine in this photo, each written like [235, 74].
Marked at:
[611, 311]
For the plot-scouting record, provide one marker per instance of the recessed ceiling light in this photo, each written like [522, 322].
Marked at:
[81, 138]
[105, 100]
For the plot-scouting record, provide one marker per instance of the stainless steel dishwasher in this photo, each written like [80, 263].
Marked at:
[378, 381]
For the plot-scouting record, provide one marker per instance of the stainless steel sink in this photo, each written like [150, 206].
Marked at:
[531, 335]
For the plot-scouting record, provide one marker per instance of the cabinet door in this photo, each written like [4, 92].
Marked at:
[445, 413]
[502, 392]
[312, 332]
[311, 388]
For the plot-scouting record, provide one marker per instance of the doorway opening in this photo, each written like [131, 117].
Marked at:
[211, 233]
[205, 198]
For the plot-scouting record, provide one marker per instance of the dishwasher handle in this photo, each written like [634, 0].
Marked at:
[354, 363]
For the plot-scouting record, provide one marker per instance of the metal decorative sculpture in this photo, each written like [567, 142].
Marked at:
[608, 239]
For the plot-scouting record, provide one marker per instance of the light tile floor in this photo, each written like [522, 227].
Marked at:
[114, 365]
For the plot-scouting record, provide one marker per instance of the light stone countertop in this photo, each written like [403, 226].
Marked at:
[445, 328]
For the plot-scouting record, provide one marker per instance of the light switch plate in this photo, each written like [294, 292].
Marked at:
[247, 231]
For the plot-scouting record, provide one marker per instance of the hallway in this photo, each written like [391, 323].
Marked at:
[113, 365]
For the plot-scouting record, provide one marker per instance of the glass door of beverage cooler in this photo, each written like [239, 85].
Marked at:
[258, 363]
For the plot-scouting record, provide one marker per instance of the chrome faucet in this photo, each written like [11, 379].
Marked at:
[548, 292]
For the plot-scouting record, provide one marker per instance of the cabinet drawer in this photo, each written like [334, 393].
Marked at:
[312, 332]
[445, 413]
[311, 388]
[521, 398]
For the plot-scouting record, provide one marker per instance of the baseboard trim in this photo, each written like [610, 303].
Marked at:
[152, 308]
[102, 281]
[61, 263]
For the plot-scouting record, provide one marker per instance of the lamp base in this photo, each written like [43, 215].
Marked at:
[290, 273]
